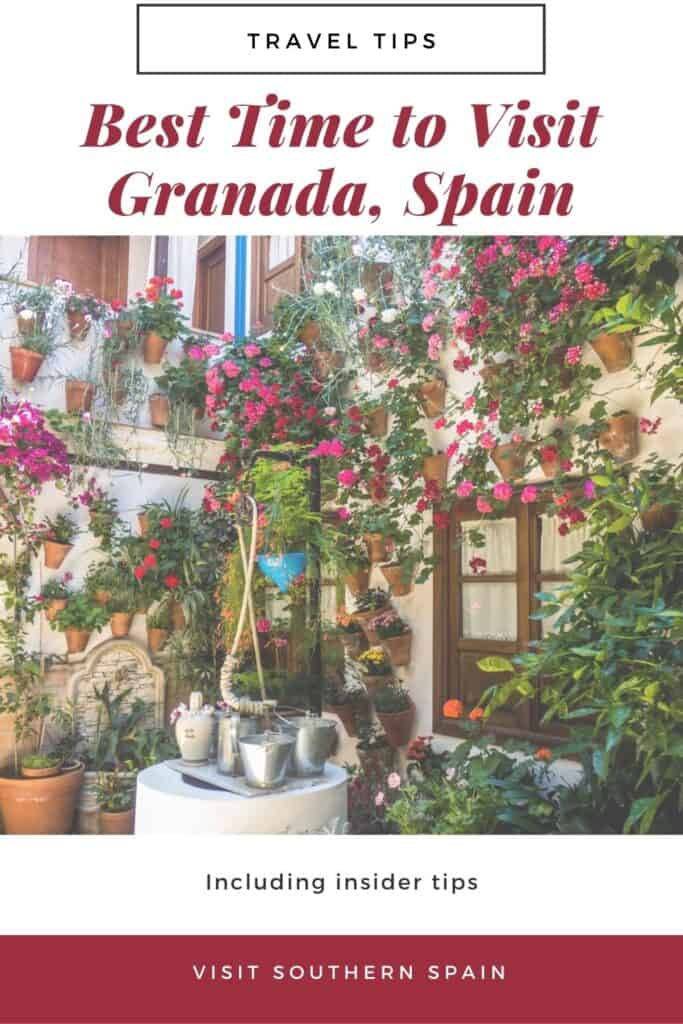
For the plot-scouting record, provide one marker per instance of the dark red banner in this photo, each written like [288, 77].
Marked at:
[339, 980]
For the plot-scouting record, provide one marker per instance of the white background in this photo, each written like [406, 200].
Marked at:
[57, 59]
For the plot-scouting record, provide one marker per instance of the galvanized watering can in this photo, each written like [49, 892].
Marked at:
[232, 727]
[265, 757]
[314, 739]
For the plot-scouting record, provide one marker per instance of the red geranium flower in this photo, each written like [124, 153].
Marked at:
[155, 544]
[139, 572]
[149, 561]
[171, 582]
[166, 523]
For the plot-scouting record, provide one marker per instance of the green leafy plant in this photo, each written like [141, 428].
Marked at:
[80, 613]
[114, 791]
[390, 700]
[60, 528]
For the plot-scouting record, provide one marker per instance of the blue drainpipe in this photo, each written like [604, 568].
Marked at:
[240, 286]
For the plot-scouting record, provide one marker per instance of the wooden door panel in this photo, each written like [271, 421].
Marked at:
[92, 264]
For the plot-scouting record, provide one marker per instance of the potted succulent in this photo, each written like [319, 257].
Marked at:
[396, 712]
[158, 318]
[28, 357]
[122, 607]
[78, 620]
[81, 312]
[377, 668]
[115, 793]
[344, 702]
[368, 605]
[394, 635]
[159, 626]
[54, 595]
[57, 535]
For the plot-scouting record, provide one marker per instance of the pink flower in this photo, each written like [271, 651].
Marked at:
[487, 440]
[434, 346]
[393, 383]
[230, 369]
[343, 512]
[589, 489]
[583, 273]
[196, 353]
[428, 322]
[251, 351]
[469, 402]
[502, 491]
[650, 426]
[538, 408]
[263, 625]
[483, 506]
[478, 565]
[348, 477]
[528, 495]
[464, 489]
[573, 355]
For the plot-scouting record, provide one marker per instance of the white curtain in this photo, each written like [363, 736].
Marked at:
[555, 548]
[489, 611]
[182, 266]
[500, 547]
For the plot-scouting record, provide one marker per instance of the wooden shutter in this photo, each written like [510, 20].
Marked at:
[209, 302]
[96, 265]
[271, 276]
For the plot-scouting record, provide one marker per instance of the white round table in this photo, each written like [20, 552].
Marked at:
[167, 805]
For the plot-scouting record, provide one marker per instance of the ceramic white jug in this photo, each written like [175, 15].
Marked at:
[194, 731]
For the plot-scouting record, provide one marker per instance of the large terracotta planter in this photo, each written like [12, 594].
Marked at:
[40, 806]
[435, 468]
[54, 607]
[309, 334]
[358, 581]
[120, 623]
[378, 422]
[398, 726]
[509, 460]
[55, 553]
[660, 517]
[79, 396]
[156, 638]
[344, 713]
[153, 348]
[614, 350]
[76, 640]
[40, 773]
[621, 437]
[433, 397]
[116, 823]
[398, 648]
[393, 574]
[79, 325]
[377, 549]
[159, 410]
[25, 364]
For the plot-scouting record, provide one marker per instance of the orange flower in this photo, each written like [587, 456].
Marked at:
[475, 714]
[543, 754]
[453, 709]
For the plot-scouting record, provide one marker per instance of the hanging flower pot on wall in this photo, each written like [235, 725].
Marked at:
[53, 607]
[398, 648]
[309, 335]
[621, 437]
[433, 397]
[393, 574]
[435, 468]
[153, 348]
[282, 570]
[358, 581]
[120, 623]
[509, 459]
[79, 396]
[55, 553]
[25, 364]
[377, 549]
[659, 517]
[398, 726]
[76, 640]
[614, 350]
[378, 422]
[159, 410]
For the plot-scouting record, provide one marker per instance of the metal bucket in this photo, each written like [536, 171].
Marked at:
[314, 742]
[232, 727]
[265, 758]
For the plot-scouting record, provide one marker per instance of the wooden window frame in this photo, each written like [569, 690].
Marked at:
[114, 267]
[448, 579]
[199, 306]
[261, 274]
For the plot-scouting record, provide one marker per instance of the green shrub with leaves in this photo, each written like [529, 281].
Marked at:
[81, 613]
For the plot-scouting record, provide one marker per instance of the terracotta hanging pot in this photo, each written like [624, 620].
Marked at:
[509, 460]
[614, 350]
[156, 638]
[327, 362]
[120, 623]
[55, 553]
[76, 640]
[40, 806]
[659, 516]
[153, 348]
[363, 619]
[398, 648]
[116, 823]
[358, 581]
[621, 437]
[433, 397]
[102, 597]
[393, 574]
[79, 396]
[177, 615]
[25, 364]
[309, 334]
[54, 607]
[435, 467]
[378, 422]
[79, 325]
[377, 549]
[344, 713]
[551, 467]
[143, 523]
[398, 726]
[159, 410]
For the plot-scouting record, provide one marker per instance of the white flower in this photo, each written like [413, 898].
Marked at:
[331, 288]
[329, 410]
[358, 295]
[389, 315]
[319, 288]
[26, 314]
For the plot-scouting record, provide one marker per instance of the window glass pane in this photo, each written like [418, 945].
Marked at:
[499, 551]
[548, 624]
[555, 549]
[280, 248]
[489, 611]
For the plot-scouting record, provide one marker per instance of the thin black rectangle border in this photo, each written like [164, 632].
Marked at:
[362, 5]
